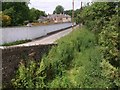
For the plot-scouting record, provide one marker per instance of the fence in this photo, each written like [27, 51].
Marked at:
[22, 33]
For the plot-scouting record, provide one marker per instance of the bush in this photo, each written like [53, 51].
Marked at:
[29, 76]
[97, 15]
[6, 20]
[109, 41]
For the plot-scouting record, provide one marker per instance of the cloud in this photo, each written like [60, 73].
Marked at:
[49, 5]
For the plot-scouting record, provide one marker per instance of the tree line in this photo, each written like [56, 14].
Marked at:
[16, 13]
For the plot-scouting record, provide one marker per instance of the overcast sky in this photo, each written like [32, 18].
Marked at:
[49, 5]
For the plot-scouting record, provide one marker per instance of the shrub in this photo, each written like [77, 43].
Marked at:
[109, 41]
[6, 20]
[29, 76]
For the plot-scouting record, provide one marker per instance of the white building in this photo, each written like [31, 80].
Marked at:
[59, 18]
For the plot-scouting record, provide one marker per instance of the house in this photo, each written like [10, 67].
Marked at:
[42, 19]
[55, 18]
[59, 18]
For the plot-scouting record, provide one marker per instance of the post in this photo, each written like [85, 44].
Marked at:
[80, 11]
[73, 16]
[81, 5]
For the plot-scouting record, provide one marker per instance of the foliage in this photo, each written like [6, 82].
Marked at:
[35, 14]
[76, 14]
[97, 15]
[18, 11]
[88, 57]
[68, 12]
[109, 71]
[28, 76]
[103, 19]
[5, 19]
[59, 9]
[109, 41]
[72, 64]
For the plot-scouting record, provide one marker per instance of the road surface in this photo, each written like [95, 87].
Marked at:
[48, 39]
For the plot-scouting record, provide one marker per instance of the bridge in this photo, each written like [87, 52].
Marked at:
[34, 50]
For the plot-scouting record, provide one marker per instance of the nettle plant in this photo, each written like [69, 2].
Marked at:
[29, 76]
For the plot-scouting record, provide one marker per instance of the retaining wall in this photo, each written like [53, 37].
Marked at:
[11, 57]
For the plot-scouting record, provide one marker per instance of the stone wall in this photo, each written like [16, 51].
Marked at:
[12, 56]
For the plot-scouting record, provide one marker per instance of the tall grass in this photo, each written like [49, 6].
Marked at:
[76, 62]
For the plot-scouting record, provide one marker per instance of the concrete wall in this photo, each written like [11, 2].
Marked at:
[23, 33]
[12, 56]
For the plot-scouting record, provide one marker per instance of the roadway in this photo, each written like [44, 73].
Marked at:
[47, 39]
[50, 39]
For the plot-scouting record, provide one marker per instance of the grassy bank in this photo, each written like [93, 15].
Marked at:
[75, 63]
[86, 58]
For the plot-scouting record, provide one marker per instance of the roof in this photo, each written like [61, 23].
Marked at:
[42, 17]
[58, 15]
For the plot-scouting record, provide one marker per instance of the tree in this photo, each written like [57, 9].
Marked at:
[6, 20]
[18, 11]
[35, 14]
[59, 9]
[76, 14]
[68, 12]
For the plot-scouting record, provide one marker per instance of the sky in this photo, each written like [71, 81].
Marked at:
[49, 5]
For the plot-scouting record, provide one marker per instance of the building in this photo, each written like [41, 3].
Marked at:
[42, 19]
[55, 18]
[59, 18]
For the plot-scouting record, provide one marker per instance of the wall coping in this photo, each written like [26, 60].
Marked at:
[25, 46]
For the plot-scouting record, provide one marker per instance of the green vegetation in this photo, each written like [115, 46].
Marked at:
[76, 14]
[69, 61]
[5, 19]
[16, 42]
[103, 19]
[59, 10]
[35, 14]
[87, 58]
[17, 13]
